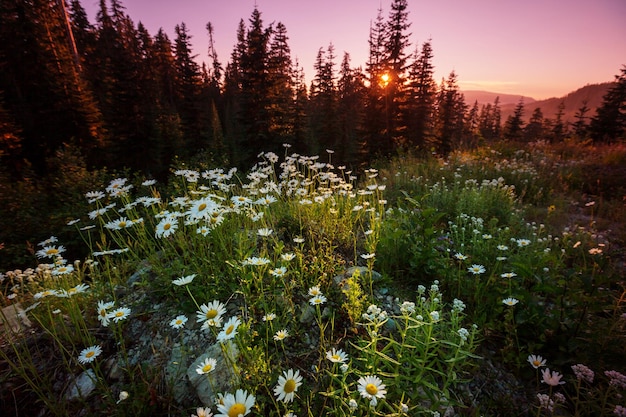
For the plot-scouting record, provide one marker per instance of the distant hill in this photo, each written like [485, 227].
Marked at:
[486, 97]
[592, 93]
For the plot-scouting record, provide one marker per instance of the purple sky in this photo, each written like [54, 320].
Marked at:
[538, 48]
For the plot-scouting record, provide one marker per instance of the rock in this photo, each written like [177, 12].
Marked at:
[223, 379]
[82, 386]
[13, 319]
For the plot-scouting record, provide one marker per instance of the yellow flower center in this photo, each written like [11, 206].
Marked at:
[290, 386]
[230, 329]
[52, 251]
[167, 226]
[122, 224]
[103, 313]
[371, 389]
[119, 314]
[207, 368]
[336, 357]
[536, 362]
[90, 354]
[201, 206]
[211, 314]
[236, 409]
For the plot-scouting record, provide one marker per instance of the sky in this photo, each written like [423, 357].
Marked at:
[535, 48]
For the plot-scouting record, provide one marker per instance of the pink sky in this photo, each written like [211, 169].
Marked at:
[537, 48]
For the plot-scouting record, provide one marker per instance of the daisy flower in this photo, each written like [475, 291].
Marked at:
[77, 289]
[206, 366]
[510, 301]
[93, 196]
[508, 275]
[45, 293]
[502, 247]
[317, 300]
[103, 314]
[63, 270]
[522, 242]
[476, 269]
[119, 314]
[212, 311]
[281, 335]
[337, 356]
[372, 388]
[238, 404]
[287, 256]
[264, 232]
[460, 256]
[279, 272]
[89, 354]
[269, 317]
[314, 291]
[230, 329]
[288, 384]
[536, 361]
[178, 322]
[50, 251]
[166, 227]
[184, 280]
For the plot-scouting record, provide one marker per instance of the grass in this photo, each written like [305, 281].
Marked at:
[239, 292]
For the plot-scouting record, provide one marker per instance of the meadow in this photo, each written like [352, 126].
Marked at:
[489, 283]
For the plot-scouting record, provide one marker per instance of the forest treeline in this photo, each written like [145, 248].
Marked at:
[125, 98]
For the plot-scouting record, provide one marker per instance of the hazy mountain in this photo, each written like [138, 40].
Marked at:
[485, 97]
[592, 93]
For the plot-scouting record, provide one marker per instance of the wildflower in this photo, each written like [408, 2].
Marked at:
[93, 196]
[281, 335]
[278, 272]
[501, 258]
[616, 379]
[254, 261]
[178, 322]
[619, 411]
[103, 314]
[264, 232]
[372, 388]
[212, 311]
[337, 356]
[476, 269]
[166, 227]
[545, 402]
[460, 256]
[508, 275]
[63, 270]
[317, 300]
[368, 255]
[487, 236]
[458, 305]
[77, 289]
[203, 412]
[298, 239]
[510, 301]
[536, 361]
[50, 251]
[583, 373]
[73, 222]
[502, 247]
[123, 396]
[434, 315]
[89, 354]
[595, 251]
[352, 404]
[407, 308]
[288, 384]
[184, 280]
[551, 378]
[230, 329]
[269, 317]
[119, 314]
[237, 405]
[314, 291]
[118, 224]
[206, 366]
[44, 293]
[522, 242]
[287, 256]
[463, 333]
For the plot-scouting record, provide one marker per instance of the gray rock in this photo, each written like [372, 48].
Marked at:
[82, 386]
[223, 379]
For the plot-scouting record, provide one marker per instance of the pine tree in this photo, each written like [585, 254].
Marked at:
[609, 123]
[534, 130]
[351, 97]
[513, 128]
[559, 129]
[421, 101]
[450, 115]
[580, 125]
[323, 103]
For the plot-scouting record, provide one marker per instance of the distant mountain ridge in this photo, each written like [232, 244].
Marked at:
[591, 93]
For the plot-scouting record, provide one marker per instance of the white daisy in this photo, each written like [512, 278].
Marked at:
[288, 384]
[89, 354]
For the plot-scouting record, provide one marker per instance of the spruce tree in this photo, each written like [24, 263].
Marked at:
[513, 128]
[609, 123]
[422, 95]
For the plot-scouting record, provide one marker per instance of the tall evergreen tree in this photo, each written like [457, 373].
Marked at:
[534, 130]
[323, 102]
[450, 115]
[559, 129]
[580, 125]
[609, 123]
[422, 95]
[351, 96]
[513, 128]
